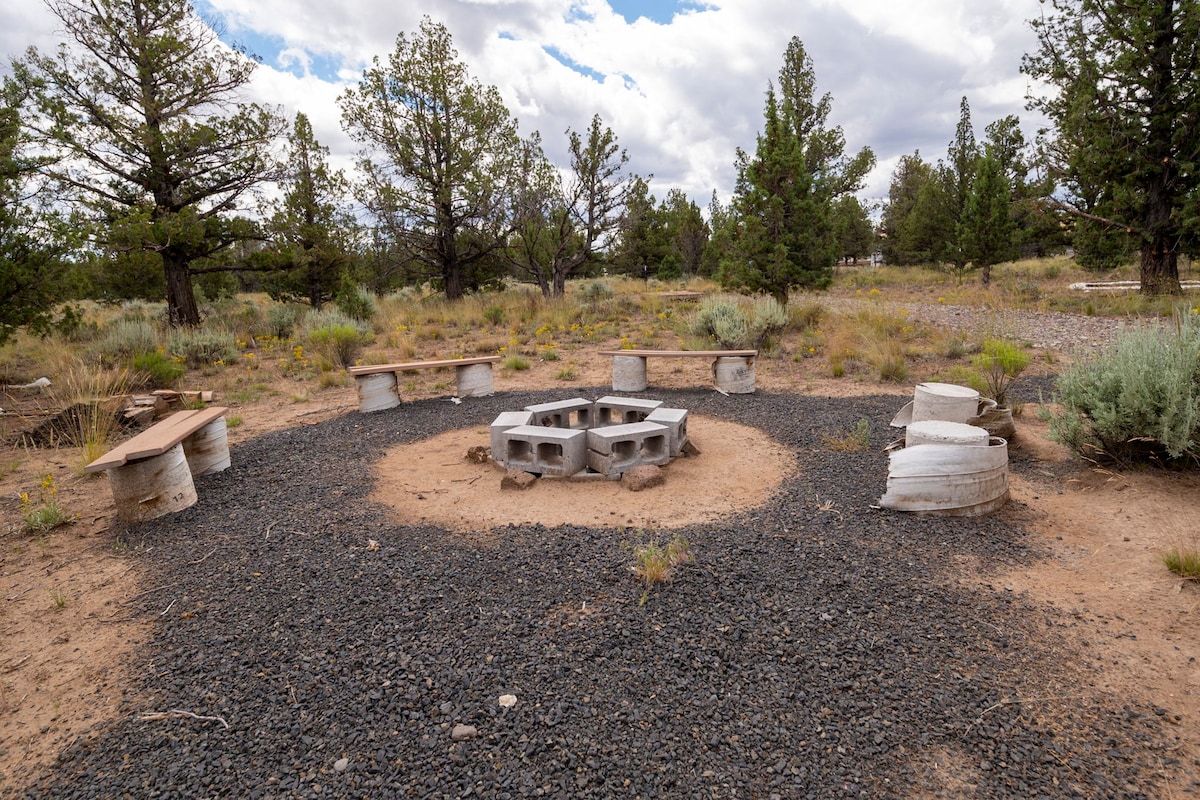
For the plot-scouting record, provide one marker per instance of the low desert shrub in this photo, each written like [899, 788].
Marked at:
[735, 324]
[1137, 400]
[199, 347]
[161, 371]
[334, 337]
[123, 339]
[1000, 362]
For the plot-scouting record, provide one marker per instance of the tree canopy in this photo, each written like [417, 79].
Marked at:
[439, 155]
[139, 110]
[1126, 116]
[783, 232]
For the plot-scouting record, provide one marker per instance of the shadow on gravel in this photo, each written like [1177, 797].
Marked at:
[818, 647]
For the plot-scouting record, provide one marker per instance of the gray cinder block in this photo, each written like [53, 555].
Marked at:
[616, 448]
[676, 421]
[575, 413]
[502, 423]
[545, 451]
[622, 410]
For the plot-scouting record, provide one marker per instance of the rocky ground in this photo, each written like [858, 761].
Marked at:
[306, 643]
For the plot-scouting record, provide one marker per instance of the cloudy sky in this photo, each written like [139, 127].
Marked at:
[681, 82]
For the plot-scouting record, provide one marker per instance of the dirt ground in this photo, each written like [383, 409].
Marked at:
[70, 641]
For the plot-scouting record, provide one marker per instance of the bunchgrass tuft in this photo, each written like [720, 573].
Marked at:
[856, 439]
[1184, 561]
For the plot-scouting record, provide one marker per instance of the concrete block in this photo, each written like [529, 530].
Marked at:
[502, 423]
[616, 448]
[575, 413]
[621, 410]
[676, 421]
[629, 374]
[544, 451]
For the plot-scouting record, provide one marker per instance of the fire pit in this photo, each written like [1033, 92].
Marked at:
[581, 438]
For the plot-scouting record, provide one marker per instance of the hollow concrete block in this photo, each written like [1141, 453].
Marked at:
[545, 450]
[675, 419]
[506, 421]
[575, 413]
[622, 410]
[616, 448]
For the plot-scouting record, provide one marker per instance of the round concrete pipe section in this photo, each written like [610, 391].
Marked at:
[629, 374]
[944, 401]
[153, 487]
[207, 450]
[949, 479]
[474, 380]
[932, 431]
[377, 391]
[734, 374]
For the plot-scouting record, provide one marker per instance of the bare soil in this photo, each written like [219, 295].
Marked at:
[70, 643]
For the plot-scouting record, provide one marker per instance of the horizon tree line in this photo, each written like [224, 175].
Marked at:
[129, 167]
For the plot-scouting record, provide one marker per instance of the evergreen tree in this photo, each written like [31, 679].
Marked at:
[439, 157]
[853, 229]
[313, 229]
[987, 221]
[1126, 116]
[783, 202]
[908, 178]
[139, 110]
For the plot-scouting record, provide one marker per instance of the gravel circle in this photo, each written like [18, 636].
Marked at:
[817, 648]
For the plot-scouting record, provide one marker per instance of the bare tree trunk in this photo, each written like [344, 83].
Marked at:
[182, 310]
[1160, 269]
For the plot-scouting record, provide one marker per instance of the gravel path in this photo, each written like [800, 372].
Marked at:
[1053, 330]
[818, 648]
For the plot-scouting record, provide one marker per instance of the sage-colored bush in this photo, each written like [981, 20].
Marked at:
[722, 321]
[200, 347]
[737, 324]
[336, 338]
[124, 339]
[1138, 400]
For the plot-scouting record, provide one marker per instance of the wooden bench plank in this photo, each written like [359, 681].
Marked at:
[371, 369]
[156, 440]
[683, 353]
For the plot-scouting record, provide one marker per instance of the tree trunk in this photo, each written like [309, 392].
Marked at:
[1160, 269]
[182, 310]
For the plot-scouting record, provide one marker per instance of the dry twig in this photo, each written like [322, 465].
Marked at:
[175, 712]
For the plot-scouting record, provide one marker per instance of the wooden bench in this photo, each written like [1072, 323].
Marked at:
[378, 386]
[152, 473]
[732, 370]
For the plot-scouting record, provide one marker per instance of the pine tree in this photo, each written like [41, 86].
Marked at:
[1126, 115]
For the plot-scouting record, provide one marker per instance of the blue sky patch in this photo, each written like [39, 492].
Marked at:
[573, 65]
[660, 11]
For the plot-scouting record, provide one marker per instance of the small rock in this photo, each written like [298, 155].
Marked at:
[646, 476]
[463, 732]
[479, 454]
[508, 700]
[689, 449]
[341, 764]
[517, 481]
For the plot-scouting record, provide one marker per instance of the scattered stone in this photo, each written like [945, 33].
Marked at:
[517, 481]
[463, 732]
[341, 764]
[508, 700]
[645, 476]
[479, 454]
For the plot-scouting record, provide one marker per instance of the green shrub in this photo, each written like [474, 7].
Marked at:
[200, 347]
[722, 321]
[1000, 362]
[338, 345]
[355, 301]
[282, 319]
[596, 292]
[161, 370]
[1138, 400]
[123, 339]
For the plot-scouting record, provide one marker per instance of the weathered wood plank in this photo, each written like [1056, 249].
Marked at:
[371, 369]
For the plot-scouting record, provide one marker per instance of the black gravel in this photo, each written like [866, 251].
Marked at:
[817, 648]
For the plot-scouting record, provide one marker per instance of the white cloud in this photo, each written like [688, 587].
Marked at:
[681, 97]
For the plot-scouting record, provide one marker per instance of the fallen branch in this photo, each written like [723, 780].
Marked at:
[173, 713]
